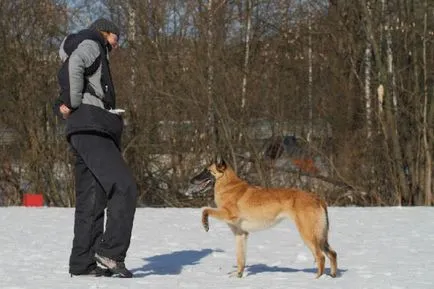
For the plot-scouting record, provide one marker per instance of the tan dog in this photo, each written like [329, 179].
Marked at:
[247, 208]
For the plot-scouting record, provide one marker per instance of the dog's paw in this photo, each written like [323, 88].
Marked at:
[205, 227]
[236, 274]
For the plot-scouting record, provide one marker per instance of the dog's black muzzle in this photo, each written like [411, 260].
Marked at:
[201, 183]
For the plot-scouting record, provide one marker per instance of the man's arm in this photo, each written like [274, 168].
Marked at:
[84, 56]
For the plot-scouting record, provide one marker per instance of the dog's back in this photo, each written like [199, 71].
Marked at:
[254, 202]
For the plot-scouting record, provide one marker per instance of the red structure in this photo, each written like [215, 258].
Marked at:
[33, 200]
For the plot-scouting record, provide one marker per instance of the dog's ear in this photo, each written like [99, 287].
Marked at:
[217, 159]
[220, 163]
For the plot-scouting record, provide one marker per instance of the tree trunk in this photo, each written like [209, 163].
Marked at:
[392, 115]
[246, 53]
[386, 77]
[368, 105]
[310, 77]
[426, 147]
[210, 80]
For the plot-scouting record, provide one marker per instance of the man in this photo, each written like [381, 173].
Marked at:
[93, 128]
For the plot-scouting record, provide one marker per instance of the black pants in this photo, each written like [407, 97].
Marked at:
[103, 180]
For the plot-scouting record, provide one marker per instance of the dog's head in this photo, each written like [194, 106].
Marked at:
[206, 179]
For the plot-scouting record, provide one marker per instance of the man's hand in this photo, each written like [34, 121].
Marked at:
[65, 111]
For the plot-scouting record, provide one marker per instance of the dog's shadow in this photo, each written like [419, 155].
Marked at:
[262, 268]
[171, 263]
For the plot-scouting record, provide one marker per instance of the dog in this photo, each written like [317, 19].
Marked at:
[246, 208]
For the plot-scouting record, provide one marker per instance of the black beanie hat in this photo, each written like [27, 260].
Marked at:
[103, 24]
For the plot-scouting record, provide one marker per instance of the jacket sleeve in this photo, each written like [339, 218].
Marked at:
[82, 57]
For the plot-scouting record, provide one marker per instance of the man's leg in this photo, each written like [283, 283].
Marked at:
[91, 201]
[104, 159]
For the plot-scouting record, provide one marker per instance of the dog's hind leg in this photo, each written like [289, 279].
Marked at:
[317, 254]
[312, 241]
[241, 247]
[331, 254]
[325, 247]
[319, 258]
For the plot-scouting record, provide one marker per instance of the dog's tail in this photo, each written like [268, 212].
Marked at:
[327, 225]
[324, 224]
[325, 247]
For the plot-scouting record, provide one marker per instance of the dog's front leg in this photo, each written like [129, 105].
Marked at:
[241, 247]
[241, 241]
[220, 214]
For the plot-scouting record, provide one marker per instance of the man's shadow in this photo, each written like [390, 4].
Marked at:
[172, 263]
[261, 268]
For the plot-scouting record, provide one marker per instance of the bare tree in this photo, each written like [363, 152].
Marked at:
[253, 80]
[426, 146]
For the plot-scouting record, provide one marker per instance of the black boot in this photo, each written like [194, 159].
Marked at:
[117, 268]
[97, 272]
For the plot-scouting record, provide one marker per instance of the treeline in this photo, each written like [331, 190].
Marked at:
[332, 96]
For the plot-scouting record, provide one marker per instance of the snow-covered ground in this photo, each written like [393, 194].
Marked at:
[377, 248]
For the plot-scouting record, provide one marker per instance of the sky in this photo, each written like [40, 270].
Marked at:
[377, 248]
[84, 13]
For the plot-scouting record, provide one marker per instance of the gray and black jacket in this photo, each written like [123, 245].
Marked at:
[86, 86]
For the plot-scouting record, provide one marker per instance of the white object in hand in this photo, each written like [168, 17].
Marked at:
[117, 110]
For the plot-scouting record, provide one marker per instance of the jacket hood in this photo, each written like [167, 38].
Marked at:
[71, 42]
